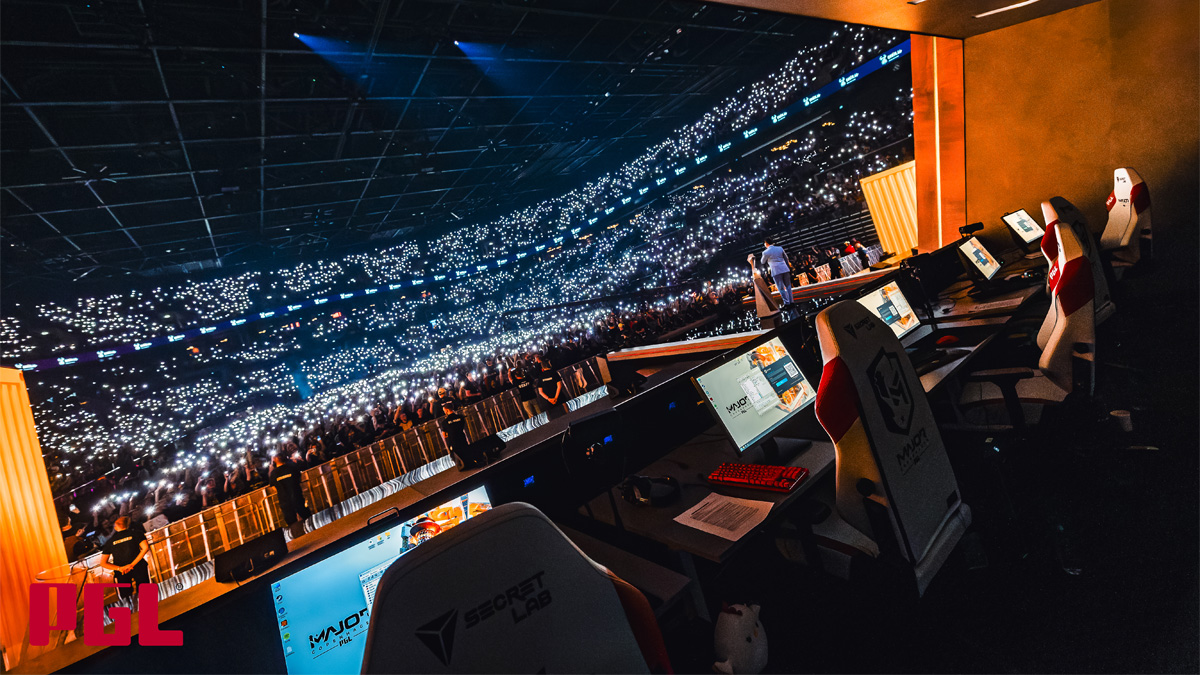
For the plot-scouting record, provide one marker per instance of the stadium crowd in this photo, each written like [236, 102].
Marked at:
[153, 492]
[150, 425]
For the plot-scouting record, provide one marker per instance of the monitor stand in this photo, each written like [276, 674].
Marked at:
[776, 451]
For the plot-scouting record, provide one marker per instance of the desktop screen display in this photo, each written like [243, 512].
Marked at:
[1025, 226]
[323, 610]
[979, 256]
[892, 308]
[756, 391]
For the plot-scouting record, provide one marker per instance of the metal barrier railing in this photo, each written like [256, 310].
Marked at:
[199, 538]
[181, 552]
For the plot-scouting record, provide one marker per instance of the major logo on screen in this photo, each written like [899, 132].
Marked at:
[341, 634]
[738, 407]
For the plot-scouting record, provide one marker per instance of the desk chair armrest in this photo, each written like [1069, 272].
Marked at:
[1006, 379]
[1000, 375]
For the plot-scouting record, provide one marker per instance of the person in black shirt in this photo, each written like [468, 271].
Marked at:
[285, 476]
[435, 405]
[125, 554]
[453, 428]
[550, 386]
[469, 390]
[491, 380]
[526, 391]
[72, 537]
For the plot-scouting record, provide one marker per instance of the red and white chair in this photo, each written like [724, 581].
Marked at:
[1128, 228]
[1067, 341]
[896, 495]
[1059, 210]
[507, 592]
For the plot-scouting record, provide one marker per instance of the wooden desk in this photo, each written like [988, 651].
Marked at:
[690, 464]
[968, 313]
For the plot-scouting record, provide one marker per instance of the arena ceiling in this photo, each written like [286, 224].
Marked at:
[144, 136]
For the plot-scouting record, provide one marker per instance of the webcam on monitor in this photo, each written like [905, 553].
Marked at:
[968, 230]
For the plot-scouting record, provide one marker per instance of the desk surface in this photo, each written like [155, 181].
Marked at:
[690, 464]
[969, 313]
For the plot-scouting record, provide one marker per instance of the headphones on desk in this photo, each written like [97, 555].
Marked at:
[647, 491]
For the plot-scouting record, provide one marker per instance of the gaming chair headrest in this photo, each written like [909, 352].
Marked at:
[1063, 211]
[505, 591]
[1127, 183]
[1128, 208]
[1066, 278]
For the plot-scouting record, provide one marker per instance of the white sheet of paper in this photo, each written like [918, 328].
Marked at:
[726, 517]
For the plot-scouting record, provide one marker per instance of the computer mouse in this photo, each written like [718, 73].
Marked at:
[947, 340]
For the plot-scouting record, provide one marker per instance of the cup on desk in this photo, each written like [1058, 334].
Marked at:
[1123, 419]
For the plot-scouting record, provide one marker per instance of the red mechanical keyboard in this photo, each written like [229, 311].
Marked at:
[759, 476]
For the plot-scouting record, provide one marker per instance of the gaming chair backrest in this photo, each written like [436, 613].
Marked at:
[506, 591]
[1058, 209]
[1128, 214]
[1072, 318]
[871, 404]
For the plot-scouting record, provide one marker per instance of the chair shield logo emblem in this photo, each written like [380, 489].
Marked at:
[891, 392]
[438, 635]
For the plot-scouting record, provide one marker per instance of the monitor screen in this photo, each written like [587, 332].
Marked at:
[1025, 226]
[323, 610]
[755, 390]
[889, 304]
[979, 256]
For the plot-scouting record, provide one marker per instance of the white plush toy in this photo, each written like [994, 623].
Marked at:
[740, 642]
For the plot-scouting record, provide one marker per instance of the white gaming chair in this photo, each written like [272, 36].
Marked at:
[1058, 210]
[1067, 341]
[895, 488]
[1128, 227]
[507, 592]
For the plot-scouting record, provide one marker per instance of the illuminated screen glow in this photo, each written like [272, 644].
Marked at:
[1024, 225]
[889, 304]
[323, 611]
[756, 391]
[979, 256]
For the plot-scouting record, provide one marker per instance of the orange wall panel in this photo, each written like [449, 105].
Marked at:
[30, 540]
[1055, 104]
[939, 139]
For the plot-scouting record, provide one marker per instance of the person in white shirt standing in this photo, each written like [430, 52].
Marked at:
[776, 261]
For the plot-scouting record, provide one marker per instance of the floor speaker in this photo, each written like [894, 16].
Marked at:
[253, 557]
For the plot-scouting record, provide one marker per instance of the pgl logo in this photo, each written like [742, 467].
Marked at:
[149, 634]
[891, 392]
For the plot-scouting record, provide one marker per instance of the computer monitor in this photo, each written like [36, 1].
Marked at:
[1023, 226]
[982, 261]
[322, 611]
[889, 304]
[754, 389]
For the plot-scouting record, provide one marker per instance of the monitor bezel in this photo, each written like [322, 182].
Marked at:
[971, 266]
[1015, 233]
[711, 365]
[892, 279]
